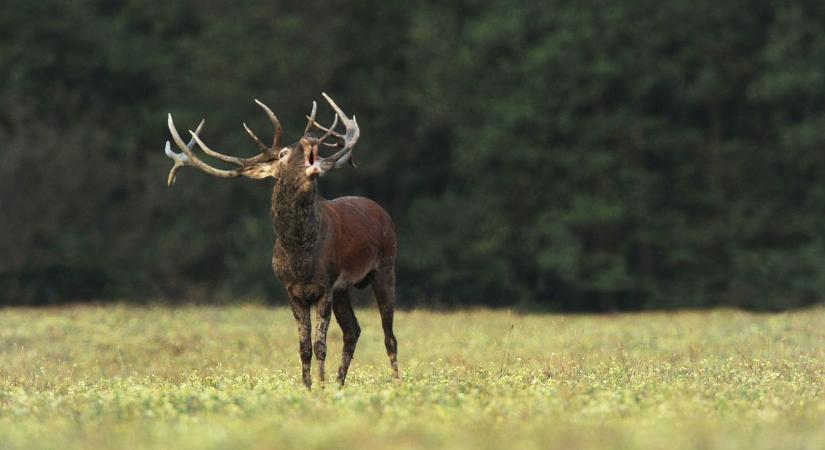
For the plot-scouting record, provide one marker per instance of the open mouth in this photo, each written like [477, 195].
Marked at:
[311, 156]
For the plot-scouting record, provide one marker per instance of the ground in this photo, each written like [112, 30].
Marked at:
[229, 377]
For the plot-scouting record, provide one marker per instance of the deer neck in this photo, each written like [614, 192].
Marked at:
[296, 215]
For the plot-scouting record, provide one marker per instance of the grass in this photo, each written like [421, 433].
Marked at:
[228, 377]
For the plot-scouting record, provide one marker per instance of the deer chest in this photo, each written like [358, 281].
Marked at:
[297, 268]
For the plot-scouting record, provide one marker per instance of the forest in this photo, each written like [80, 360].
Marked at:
[553, 155]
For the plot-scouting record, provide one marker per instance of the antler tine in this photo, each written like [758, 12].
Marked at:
[263, 148]
[311, 118]
[329, 131]
[276, 144]
[191, 142]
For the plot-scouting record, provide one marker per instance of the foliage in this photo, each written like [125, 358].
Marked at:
[557, 154]
[124, 377]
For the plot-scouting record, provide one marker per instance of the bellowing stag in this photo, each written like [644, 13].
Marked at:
[322, 247]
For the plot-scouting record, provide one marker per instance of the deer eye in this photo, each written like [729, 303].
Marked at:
[283, 153]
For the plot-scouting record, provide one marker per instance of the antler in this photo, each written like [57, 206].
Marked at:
[188, 158]
[347, 140]
[276, 143]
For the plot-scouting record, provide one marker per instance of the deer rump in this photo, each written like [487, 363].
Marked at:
[365, 240]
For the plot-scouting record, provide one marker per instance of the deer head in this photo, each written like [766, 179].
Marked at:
[300, 159]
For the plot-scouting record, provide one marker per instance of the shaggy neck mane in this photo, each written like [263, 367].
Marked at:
[295, 214]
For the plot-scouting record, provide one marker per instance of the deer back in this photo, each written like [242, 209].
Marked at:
[361, 238]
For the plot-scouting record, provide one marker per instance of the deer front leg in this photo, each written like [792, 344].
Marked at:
[324, 312]
[302, 318]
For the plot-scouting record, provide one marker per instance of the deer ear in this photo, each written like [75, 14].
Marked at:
[261, 170]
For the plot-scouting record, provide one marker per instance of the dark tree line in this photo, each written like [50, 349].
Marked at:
[557, 154]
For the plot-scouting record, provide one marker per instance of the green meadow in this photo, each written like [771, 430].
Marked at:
[229, 377]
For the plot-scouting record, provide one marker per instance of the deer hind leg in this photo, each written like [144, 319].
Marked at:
[342, 307]
[383, 284]
[302, 318]
[324, 313]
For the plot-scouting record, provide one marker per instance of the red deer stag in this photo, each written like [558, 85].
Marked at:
[322, 247]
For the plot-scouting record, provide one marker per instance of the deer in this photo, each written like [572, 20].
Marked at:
[323, 248]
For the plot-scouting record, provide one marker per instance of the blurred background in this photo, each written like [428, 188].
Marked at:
[554, 155]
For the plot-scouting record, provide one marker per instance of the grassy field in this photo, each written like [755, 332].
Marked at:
[228, 377]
